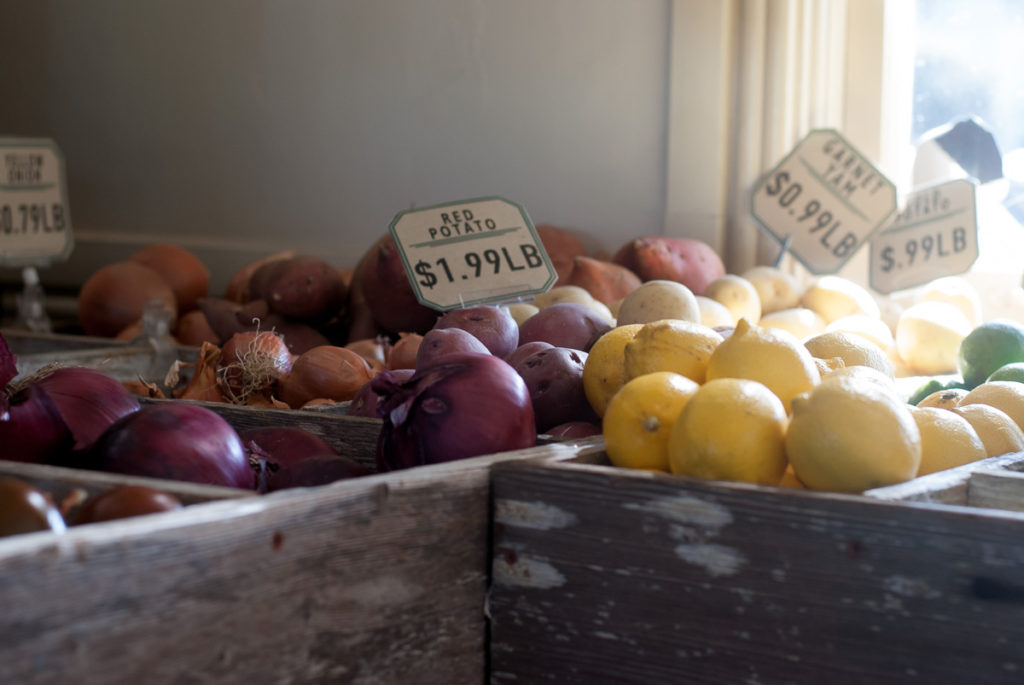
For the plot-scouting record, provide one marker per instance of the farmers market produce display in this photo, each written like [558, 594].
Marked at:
[678, 365]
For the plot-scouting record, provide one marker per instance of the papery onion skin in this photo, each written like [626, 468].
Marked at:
[324, 372]
[27, 509]
[367, 402]
[125, 501]
[402, 354]
[115, 296]
[177, 441]
[464, 405]
[182, 270]
[89, 401]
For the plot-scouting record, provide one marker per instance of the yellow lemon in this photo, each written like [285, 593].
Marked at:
[671, 345]
[713, 313]
[874, 329]
[800, 321]
[770, 356]
[738, 295]
[604, 372]
[835, 297]
[867, 372]
[731, 429]
[943, 399]
[827, 366]
[639, 419]
[957, 291]
[777, 289]
[853, 349]
[1005, 395]
[850, 435]
[947, 440]
[928, 337]
[998, 432]
[789, 479]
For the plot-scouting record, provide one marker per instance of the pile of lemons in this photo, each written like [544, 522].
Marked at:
[750, 400]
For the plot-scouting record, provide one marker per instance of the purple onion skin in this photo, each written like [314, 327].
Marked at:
[493, 326]
[175, 441]
[462, 406]
[8, 366]
[89, 401]
[366, 402]
[34, 431]
[310, 471]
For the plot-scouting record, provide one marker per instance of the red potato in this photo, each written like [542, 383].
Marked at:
[691, 262]
[439, 342]
[554, 378]
[566, 324]
[525, 350]
[492, 326]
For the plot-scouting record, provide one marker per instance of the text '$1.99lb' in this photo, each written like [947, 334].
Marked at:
[475, 264]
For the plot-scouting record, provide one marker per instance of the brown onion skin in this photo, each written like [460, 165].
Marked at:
[125, 501]
[403, 352]
[193, 329]
[183, 271]
[114, 297]
[323, 372]
[26, 509]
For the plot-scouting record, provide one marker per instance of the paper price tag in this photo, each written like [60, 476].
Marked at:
[478, 251]
[826, 198]
[934, 234]
[35, 221]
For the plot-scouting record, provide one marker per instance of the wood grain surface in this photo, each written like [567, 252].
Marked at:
[604, 575]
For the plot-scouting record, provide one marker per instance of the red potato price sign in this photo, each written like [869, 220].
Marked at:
[471, 252]
[35, 222]
[934, 234]
[826, 199]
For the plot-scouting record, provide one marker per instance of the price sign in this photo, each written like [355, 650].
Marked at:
[934, 234]
[826, 198]
[35, 222]
[478, 251]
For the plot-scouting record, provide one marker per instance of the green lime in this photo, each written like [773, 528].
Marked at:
[989, 346]
[930, 386]
[1013, 371]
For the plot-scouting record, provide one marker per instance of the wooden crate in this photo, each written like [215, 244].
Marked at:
[23, 342]
[380, 579]
[605, 575]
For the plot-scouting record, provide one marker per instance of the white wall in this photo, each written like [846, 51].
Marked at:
[237, 128]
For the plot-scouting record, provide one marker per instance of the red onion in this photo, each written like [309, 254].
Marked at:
[60, 411]
[291, 457]
[367, 401]
[174, 440]
[8, 370]
[461, 406]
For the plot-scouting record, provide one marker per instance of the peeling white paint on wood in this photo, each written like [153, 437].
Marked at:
[381, 591]
[718, 560]
[535, 515]
[525, 571]
[910, 587]
[686, 509]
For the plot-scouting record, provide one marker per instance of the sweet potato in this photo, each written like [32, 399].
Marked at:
[305, 288]
[605, 281]
[388, 294]
[562, 247]
[238, 285]
[691, 262]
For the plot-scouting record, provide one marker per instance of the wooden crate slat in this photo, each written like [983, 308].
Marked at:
[380, 579]
[996, 489]
[603, 575]
[945, 487]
